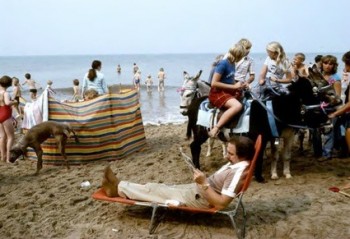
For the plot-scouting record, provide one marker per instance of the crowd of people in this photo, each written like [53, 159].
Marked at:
[136, 80]
[231, 73]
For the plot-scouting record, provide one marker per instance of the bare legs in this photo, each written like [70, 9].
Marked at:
[110, 182]
[7, 135]
[233, 107]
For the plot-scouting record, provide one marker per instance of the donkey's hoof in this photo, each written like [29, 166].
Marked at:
[274, 176]
[288, 175]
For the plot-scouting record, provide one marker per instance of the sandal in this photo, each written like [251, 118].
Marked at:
[214, 132]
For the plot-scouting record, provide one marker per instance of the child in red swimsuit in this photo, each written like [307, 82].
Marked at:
[6, 123]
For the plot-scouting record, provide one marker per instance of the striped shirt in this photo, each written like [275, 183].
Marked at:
[225, 180]
[244, 67]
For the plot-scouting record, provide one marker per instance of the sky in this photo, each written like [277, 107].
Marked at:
[90, 27]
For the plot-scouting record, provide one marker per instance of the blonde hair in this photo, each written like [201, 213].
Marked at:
[245, 43]
[236, 53]
[281, 55]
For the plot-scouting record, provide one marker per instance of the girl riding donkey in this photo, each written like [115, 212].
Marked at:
[225, 93]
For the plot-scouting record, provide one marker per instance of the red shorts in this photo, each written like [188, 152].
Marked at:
[219, 97]
[5, 113]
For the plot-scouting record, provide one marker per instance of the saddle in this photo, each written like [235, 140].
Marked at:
[208, 116]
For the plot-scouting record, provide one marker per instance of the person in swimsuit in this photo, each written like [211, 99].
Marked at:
[7, 133]
[137, 80]
[161, 78]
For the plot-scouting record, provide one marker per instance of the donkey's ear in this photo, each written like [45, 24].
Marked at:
[198, 75]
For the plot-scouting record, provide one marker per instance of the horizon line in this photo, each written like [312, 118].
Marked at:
[124, 54]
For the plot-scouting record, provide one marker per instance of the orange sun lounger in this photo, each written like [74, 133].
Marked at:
[232, 212]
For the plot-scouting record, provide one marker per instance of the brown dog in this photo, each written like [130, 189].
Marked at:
[37, 135]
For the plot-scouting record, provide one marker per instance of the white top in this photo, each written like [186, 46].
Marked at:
[275, 70]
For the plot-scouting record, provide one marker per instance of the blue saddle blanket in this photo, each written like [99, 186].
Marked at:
[207, 117]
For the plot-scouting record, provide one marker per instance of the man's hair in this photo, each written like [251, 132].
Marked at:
[318, 58]
[244, 147]
[27, 76]
[346, 58]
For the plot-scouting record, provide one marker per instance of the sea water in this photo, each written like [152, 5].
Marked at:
[156, 107]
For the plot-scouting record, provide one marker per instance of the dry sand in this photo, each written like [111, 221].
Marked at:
[53, 205]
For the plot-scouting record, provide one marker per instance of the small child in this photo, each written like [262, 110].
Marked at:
[76, 91]
[90, 94]
[298, 66]
[16, 94]
[33, 94]
[29, 81]
[49, 87]
[149, 83]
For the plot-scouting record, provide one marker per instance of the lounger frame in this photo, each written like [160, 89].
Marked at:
[232, 211]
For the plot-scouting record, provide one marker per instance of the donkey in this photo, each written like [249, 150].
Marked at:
[305, 104]
[194, 88]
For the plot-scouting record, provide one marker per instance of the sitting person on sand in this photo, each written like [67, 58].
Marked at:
[94, 79]
[76, 91]
[217, 191]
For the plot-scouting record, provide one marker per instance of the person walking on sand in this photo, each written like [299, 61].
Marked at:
[16, 94]
[161, 78]
[94, 79]
[7, 133]
[217, 191]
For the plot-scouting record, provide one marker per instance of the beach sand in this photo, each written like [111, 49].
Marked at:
[53, 204]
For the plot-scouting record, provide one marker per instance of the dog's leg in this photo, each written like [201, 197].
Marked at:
[61, 143]
[39, 154]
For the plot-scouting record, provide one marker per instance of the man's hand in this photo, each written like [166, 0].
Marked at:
[199, 177]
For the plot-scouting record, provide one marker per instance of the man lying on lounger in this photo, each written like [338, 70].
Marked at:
[216, 191]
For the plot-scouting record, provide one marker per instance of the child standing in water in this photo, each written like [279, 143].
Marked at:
[149, 83]
[6, 123]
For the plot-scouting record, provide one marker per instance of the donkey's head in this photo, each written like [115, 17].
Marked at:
[189, 91]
